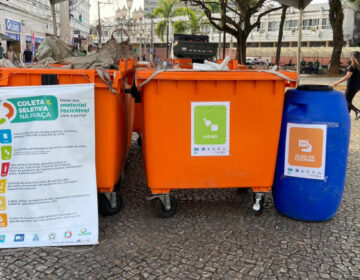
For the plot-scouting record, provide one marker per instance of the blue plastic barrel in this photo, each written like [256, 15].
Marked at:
[312, 156]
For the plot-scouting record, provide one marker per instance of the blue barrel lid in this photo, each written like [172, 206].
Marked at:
[315, 88]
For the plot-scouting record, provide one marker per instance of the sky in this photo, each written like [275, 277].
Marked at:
[108, 10]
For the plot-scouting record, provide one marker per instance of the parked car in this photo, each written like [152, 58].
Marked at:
[254, 61]
[258, 61]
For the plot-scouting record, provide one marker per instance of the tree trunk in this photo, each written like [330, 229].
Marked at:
[336, 17]
[241, 49]
[53, 13]
[223, 20]
[281, 31]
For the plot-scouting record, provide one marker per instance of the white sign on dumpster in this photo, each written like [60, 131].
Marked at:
[48, 191]
[210, 128]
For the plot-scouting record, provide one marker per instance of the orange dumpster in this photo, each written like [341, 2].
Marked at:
[210, 130]
[233, 63]
[113, 120]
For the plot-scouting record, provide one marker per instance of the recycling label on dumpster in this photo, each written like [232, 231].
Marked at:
[48, 193]
[305, 151]
[210, 128]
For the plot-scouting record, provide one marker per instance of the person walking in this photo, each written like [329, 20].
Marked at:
[28, 55]
[1, 51]
[353, 82]
[10, 54]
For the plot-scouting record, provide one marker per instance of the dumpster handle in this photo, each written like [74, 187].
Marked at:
[190, 70]
[105, 77]
[277, 74]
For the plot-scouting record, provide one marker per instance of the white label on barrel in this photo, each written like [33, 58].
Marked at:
[305, 151]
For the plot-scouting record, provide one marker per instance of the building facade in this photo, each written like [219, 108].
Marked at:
[316, 30]
[150, 5]
[19, 19]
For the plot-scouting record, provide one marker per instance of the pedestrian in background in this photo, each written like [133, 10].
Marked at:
[10, 54]
[1, 51]
[310, 67]
[93, 49]
[316, 66]
[353, 82]
[28, 55]
[267, 64]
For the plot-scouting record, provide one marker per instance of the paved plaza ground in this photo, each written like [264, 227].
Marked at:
[214, 235]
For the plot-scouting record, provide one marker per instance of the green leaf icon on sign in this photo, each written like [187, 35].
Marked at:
[6, 152]
[210, 125]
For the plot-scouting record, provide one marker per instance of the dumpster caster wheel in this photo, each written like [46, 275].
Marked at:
[110, 203]
[139, 140]
[259, 200]
[165, 206]
[243, 190]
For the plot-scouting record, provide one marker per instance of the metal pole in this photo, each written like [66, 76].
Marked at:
[299, 44]
[140, 49]
[145, 46]
[224, 44]
[152, 41]
[145, 39]
[167, 39]
[219, 45]
[99, 22]
[121, 26]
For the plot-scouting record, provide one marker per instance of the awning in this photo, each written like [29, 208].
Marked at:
[306, 52]
[28, 39]
[4, 37]
[295, 3]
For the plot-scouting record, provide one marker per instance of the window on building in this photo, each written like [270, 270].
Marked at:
[262, 26]
[285, 44]
[106, 33]
[267, 45]
[310, 23]
[274, 25]
[290, 25]
[317, 44]
[325, 23]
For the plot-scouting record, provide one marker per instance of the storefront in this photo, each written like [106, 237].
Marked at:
[13, 30]
[38, 40]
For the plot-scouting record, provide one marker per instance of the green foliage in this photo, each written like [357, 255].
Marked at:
[194, 23]
[356, 2]
[180, 26]
[214, 6]
[166, 10]
[160, 29]
[356, 42]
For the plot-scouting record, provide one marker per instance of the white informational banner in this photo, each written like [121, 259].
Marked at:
[305, 152]
[210, 128]
[48, 193]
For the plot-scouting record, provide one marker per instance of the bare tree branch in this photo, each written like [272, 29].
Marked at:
[257, 23]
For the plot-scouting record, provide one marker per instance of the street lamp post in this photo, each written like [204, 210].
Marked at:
[99, 18]
[121, 17]
[129, 4]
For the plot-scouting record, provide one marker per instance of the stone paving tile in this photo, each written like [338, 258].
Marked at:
[214, 235]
